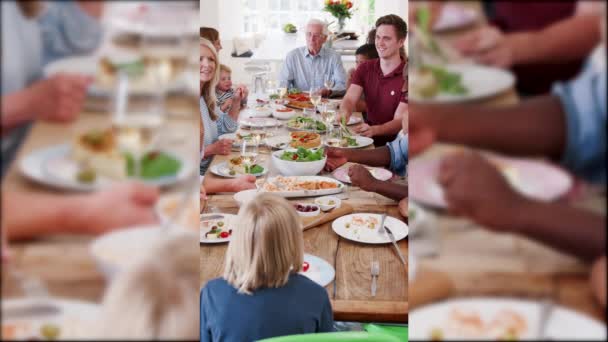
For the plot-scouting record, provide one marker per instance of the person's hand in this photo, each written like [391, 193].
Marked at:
[475, 188]
[488, 46]
[361, 177]
[120, 206]
[335, 158]
[365, 130]
[244, 91]
[421, 130]
[6, 255]
[403, 207]
[598, 280]
[60, 97]
[244, 182]
[221, 147]
[226, 106]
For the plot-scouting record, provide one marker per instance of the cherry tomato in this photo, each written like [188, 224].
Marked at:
[224, 235]
[295, 156]
[305, 266]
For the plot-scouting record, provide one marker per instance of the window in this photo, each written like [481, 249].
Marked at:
[260, 16]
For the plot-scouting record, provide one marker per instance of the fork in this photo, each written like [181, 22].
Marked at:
[375, 273]
[545, 312]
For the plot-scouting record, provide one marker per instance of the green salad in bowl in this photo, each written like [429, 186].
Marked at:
[303, 155]
[300, 161]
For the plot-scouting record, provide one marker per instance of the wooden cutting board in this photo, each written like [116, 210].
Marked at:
[429, 286]
[310, 222]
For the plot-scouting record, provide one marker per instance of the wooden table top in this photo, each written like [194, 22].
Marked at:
[64, 262]
[478, 262]
[352, 300]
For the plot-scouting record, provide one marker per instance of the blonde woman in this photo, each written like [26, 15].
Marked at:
[261, 294]
[216, 123]
[214, 120]
[155, 299]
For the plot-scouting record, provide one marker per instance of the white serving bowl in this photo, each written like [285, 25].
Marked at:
[297, 168]
[245, 196]
[322, 202]
[310, 213]
[283, 115]
[117, 250]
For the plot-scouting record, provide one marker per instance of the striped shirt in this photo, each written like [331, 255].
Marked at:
[213, 129]
[302, 70]
[223, 96]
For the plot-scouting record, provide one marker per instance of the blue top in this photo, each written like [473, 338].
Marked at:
[302, 70]
[398, 149]
[213, 129]
[299, 307]
[584, 103]
[61, 29]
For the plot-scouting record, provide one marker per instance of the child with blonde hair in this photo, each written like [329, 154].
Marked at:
[155, 299]
[224, 91]
[261, 285]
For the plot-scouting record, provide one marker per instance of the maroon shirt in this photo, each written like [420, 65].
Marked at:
[382, 94]
[516, 16]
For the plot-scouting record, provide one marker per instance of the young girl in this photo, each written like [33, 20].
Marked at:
[261, 285]
[224, 91]
[154, 299]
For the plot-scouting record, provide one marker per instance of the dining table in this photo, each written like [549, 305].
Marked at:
[349, 292]
[459, 258]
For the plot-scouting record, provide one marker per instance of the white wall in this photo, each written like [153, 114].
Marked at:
[209, 13]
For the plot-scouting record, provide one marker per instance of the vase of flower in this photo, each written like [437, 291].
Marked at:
[341, 10]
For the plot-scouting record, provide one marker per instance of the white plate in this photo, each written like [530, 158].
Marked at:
[118, 250]
[341, 174]
[279, 142]
[481, 82]
[167, 204]
[454, 16]
[306, 193]
[563, 324]
[320, 271]
[75, 320]
[361, 141]
[532, 178]
[364, 234]
[88, 65]
[260, 122]
[223, 170]
[245, 196]
[255, 112]
[419, 218]
[52, 166]
[230, 222]
[236, 142]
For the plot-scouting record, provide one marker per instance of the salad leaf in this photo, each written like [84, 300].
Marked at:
[303, 155]
[448, 82]
[154, 165]
[256, 169]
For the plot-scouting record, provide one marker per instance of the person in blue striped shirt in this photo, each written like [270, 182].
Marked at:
[308, 66]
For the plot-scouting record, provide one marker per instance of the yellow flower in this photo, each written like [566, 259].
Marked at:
[344, 2]
[327, 2]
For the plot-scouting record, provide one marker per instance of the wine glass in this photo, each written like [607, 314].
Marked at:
[315, 96]
[249, 153]
[136, 121]
[282, 92]
[329, 82]
[328, 117]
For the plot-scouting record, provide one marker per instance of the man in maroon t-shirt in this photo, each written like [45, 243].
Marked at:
[381, 80]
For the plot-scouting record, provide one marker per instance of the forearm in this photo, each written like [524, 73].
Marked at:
[389, 128]
[566, 40]
[380, 156]
[361, 106]
[391, 190]
[347, 106]
[235, 110]
[28, 216]
[16, 109]
[534, 127]
[214, 185]
[576, 231]
[92, 8]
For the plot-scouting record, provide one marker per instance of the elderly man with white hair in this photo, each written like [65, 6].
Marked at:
[310, 65]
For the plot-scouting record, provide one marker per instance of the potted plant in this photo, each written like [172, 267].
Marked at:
[341, 10]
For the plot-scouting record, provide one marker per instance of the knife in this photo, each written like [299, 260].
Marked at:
[390, 234]
[30, 311]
